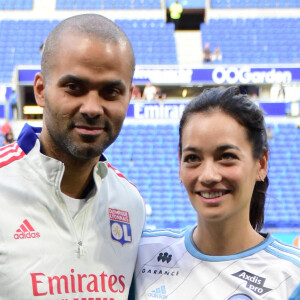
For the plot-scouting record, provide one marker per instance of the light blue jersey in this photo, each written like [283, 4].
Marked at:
[169, 266]
[296, 294]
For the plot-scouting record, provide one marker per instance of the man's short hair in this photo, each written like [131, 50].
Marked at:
[91, 25]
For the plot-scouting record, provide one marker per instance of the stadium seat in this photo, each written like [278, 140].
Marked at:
[22, 39]
[254, 3]
[106, 4]
[157, 175]
[266, 40]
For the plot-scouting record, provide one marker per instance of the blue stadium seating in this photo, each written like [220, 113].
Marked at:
[155, 44]
[106, 4]
[16, 4]
[254, 3]
[268, 40]
[271, 40]
[20, 42]
[150, 162]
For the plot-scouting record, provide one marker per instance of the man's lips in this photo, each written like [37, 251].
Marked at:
[89, 130]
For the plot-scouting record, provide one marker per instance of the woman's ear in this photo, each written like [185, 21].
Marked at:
[263, 167]
[39, 88]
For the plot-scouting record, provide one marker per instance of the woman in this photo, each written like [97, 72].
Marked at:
[223, 162]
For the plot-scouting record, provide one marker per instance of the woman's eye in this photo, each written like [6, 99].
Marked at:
[228, 156]
[191, 158]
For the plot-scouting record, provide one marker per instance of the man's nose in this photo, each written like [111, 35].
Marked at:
[92, 105]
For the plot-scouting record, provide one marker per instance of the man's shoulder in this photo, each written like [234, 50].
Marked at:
[118, 174]
[10, 153]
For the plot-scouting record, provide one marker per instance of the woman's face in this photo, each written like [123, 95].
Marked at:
[217, 167]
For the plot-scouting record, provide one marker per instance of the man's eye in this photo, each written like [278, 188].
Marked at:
[75, 89]
[111, 93]
[73, 86]
[114, 92]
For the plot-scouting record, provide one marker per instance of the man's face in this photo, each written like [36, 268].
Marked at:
[85, 97]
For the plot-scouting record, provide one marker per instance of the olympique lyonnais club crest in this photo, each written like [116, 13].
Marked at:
[120, 226]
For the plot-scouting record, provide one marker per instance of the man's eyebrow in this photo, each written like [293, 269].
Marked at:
[71, 78]
[113, 83]
[83, 81]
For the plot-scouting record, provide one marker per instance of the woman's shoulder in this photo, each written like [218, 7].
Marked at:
[284, 251]
[168, 232]
[159, 237]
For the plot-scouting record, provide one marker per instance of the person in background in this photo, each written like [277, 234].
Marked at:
[176, 10]
[281, 92]
[8, 138]
[207, 56]
[136, 93]
[217, 55]
[13, 99]
[5, 128]
[149, 92]
[223, 163]
[270, 134]
[70, 223]
[160, 95]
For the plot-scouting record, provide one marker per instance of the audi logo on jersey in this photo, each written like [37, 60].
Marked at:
[164, 257]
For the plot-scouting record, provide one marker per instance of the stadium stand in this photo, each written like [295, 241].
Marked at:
[20, 42]
[16, 4]
[150, 161]
[106, 4]
[154, 44]
[255, 40]
[268, 40]
[147, 154]
[254, 3]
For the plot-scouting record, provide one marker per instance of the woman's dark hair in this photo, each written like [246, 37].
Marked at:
[241, 108]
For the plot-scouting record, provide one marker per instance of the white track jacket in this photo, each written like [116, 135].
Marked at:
[44, 253]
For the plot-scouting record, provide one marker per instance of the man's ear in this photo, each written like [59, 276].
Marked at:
[130, 92]
[39, 89]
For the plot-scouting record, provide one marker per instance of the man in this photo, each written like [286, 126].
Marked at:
[71, 223]
[149, 92]
[175, 10]
[207, 54]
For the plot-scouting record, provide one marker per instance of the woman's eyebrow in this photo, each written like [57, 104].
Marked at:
[228, 146]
